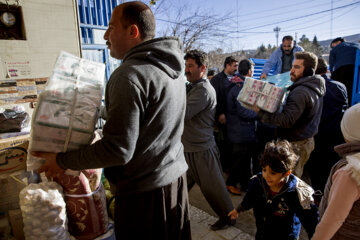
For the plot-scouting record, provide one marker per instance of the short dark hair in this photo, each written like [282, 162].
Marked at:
[310, 59]
[288, 38]
[229, 60]
[244, 66]
[341, 39]
[322, 66]
[211, 73]
[279, 156]
[199, 56]
[141, 15]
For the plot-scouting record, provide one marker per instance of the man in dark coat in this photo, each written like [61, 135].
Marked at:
[324, 156]
[221, 82]
[299, 120]
[342, 63]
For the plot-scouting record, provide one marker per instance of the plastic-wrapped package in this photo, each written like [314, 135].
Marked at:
[43, 210]
[87, 214]
[12, 120]
[67, 110]
[265, 95]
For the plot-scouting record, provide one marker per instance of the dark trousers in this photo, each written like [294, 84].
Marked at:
[205, 170]
[241, 168]
[159, 214]
[224, 147]
[323, 158]
[345, 75]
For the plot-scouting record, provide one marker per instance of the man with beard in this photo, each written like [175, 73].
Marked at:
[282, 57]
[299, 120]
[141, 149]
[201, 153]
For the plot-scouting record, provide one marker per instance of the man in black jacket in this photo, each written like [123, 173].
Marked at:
[221, 82]
[141, 149]
[299, 120]
[324, 156]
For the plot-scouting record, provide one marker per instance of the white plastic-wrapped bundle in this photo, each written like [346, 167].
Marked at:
[67, 110]
[44, 213]
[265, 95]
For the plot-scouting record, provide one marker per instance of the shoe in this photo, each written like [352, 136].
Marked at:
[222, 224]
[233, 190]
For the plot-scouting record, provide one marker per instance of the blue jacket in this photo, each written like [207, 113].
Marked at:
[275, 60]
[280, 216]
[343, 54]
[240, 121]
[334, 105]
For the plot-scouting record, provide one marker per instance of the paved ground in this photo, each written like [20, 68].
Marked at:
[202, 216]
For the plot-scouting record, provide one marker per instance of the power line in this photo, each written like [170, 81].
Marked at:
[308, 15]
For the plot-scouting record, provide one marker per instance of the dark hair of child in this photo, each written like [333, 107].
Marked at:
[279, 156]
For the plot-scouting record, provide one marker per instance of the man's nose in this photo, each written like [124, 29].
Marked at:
[106, 35]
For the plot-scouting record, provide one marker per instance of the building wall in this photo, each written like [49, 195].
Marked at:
[50, 27]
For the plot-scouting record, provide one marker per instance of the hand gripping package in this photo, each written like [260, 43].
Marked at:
[64, 120]
[67, 110]
[265, 95]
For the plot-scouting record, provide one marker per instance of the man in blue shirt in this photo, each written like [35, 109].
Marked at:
[282, 57]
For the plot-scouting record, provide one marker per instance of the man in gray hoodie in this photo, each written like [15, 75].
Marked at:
[141, 150]
[299, 120]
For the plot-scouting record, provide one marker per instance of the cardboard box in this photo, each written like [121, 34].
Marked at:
[13, 154]
[10, 187]
[17, 225]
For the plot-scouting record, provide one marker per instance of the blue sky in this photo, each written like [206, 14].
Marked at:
[251, 22]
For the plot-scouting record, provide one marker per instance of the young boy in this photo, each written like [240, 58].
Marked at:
[281, 201]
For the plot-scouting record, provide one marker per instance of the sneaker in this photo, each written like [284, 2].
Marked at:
[222, 224]
[233, 190]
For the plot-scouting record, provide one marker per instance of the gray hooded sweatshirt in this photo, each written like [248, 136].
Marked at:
[145, 101]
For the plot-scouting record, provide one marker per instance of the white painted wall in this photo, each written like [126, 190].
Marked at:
[50, 27]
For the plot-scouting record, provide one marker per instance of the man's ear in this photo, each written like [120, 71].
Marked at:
[203, 68]
[134, 31]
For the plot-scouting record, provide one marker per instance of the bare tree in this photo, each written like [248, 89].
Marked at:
[195, 27]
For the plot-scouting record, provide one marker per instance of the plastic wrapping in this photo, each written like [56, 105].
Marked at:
[265, 95]
[67, 110]
[12, 120]
[43, 210]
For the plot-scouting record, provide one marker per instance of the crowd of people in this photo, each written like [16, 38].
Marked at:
[162, 136]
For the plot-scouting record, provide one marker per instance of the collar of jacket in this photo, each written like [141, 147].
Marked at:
[353, 166]
[198, 81]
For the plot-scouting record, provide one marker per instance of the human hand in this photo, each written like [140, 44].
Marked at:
[263, 76]
[256, 108]
[50, 167]
[233, 214]
[222, 119]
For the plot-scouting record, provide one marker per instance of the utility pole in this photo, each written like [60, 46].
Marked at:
[295, 37]
[331, 22]
[277, 30]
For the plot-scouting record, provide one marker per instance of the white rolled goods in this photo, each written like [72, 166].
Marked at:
[44, 213]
